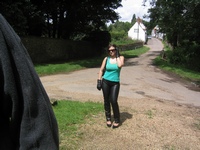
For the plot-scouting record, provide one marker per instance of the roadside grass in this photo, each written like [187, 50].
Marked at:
[176, 69]
[49, 69]
[69, 115]
[124, 41]
[134, 53]
[179, 70]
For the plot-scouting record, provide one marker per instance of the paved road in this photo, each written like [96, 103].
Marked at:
[139, 80]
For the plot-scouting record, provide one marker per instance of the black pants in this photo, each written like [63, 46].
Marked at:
[110, 94]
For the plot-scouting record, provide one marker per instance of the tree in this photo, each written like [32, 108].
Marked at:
[119, 30]
[24, 16]
[178, 19]
[133, 20]
[15, 15]
[89, 15]
[76, 19]
[60, 18]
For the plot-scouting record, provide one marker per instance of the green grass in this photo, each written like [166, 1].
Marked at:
[176, 69]
[135, 53]
[179, 70]
[150, 114]
[69, 115]
[49, 69]
[56, 68]
[124, 41]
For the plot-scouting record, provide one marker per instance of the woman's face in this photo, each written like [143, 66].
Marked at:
[112, 51]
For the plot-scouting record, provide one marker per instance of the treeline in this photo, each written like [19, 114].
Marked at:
[179, 21]
[87, 20]
[67, 19]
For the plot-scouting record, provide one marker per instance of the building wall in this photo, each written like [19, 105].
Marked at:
[136, 32]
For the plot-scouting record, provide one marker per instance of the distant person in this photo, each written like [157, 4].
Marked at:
[110, 84]
[27, 120]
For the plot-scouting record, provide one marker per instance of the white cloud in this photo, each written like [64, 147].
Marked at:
[131, 7]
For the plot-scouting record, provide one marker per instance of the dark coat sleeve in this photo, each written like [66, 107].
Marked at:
[27, 120]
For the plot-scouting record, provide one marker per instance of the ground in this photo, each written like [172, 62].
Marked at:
[158, 110]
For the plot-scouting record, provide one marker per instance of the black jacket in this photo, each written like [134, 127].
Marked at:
[27, 120]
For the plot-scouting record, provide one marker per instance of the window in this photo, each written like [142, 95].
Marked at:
[135, 30]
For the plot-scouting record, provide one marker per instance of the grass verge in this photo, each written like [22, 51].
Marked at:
[49, 69]
[179, 70]
[69, 115]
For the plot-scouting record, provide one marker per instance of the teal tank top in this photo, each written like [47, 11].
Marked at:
[112, 72]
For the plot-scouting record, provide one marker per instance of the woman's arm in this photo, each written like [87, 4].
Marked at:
[120, 61]
[102, 68]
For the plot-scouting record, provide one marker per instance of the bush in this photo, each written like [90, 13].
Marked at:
[118, 35]
[193, 60]
[186, 56]
[103, 38]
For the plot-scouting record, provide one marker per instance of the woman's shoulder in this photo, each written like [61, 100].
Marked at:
[107, 57]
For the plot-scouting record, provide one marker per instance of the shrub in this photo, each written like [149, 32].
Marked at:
[187, 56]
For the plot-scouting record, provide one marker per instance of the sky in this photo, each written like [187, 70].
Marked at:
[130, 7]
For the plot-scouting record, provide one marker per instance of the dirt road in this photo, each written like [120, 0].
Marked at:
[158, 111]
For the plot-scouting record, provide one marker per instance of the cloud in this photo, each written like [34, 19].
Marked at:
[131, 7]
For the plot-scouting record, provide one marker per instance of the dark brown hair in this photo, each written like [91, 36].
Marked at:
[113, 45]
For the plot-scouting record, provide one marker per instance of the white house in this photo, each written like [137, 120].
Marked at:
[138, 31]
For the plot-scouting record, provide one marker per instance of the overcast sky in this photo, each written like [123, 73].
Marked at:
[130, 7]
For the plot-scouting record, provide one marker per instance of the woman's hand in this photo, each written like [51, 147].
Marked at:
[99, 84]
[120, 61]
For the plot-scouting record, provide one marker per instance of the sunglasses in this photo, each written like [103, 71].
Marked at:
[112, 50]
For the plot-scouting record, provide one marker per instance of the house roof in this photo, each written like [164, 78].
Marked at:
[139, 21]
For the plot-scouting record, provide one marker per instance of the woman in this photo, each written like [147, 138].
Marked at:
[110, 84]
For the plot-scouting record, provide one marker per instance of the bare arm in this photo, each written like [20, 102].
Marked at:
[120, 61]
[102, 68]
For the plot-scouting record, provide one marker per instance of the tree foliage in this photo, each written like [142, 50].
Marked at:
[59, 18]
[119, 30]
[179, 20]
